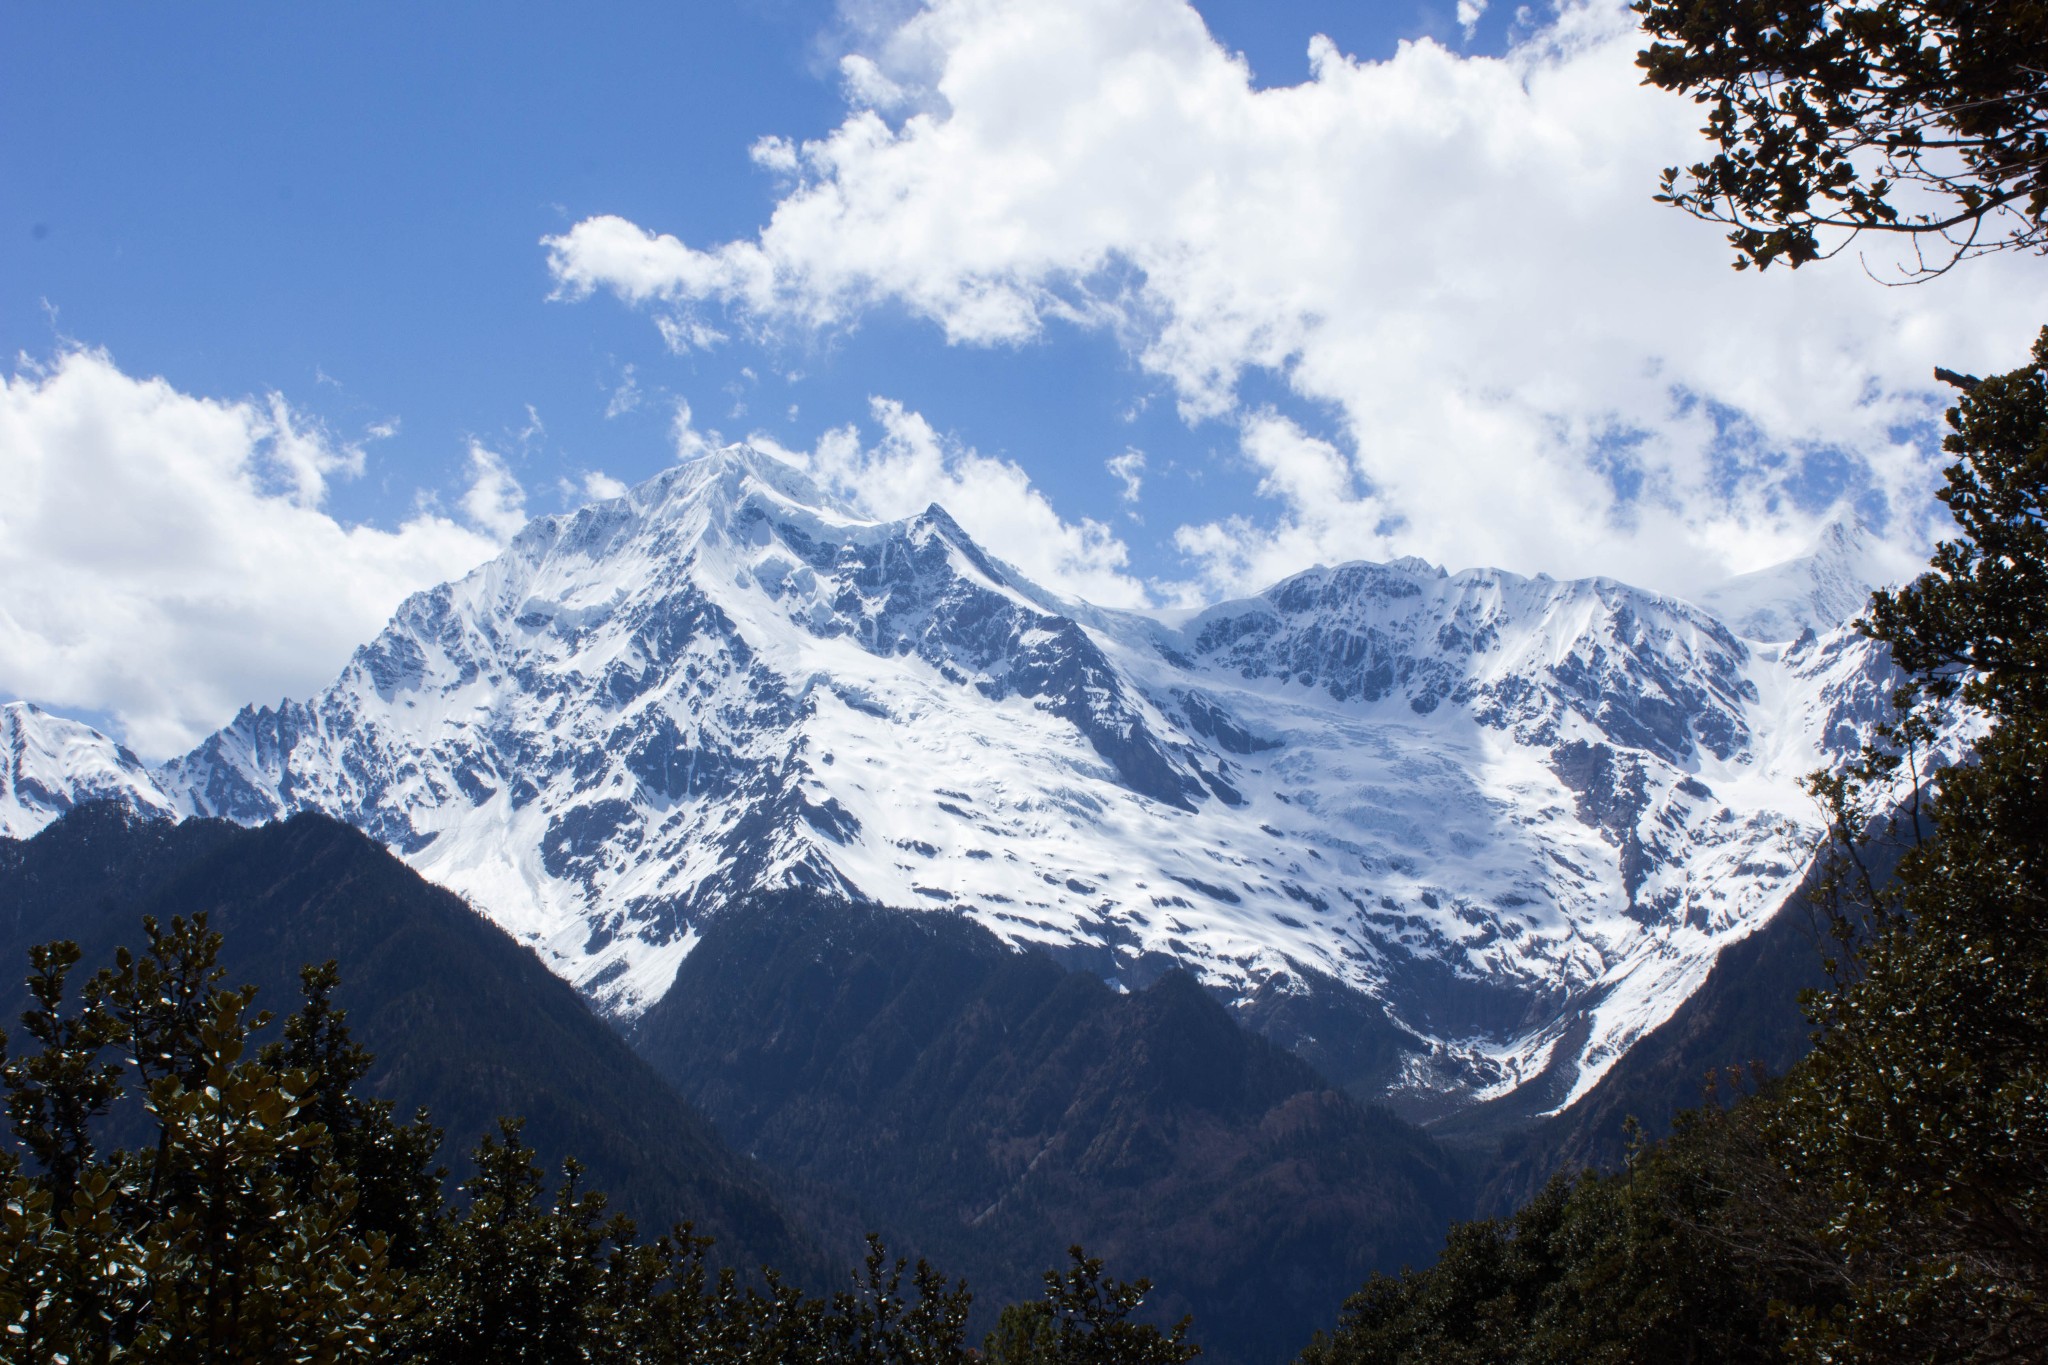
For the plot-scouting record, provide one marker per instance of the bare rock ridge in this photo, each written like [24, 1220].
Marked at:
[1503, 825]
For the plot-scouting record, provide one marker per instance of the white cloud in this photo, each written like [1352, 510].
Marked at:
[683, 333]
[305, 456]
[626, 397]
[166, 558]
[1470, 12]
[1128, 469]
[911, 467]
[494, 501]
[592, 485]
[684, 435]
[1527, 362]
[867, 86]
[1316, 483]
[774, 153]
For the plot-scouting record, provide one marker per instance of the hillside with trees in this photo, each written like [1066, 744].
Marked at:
[270, 1212]
[993, 1107]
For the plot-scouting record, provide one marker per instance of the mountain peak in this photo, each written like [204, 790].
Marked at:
[738, 471]
[1821, 590]
[49, 763]
[1510, 810]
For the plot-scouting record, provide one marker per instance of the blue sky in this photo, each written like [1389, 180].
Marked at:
[342, 204]
[1376, 285]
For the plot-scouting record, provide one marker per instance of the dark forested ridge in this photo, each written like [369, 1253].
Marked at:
[899, 1071]
[461, 1018]
[982, 1106]
[995, 1107]
[177, 1187]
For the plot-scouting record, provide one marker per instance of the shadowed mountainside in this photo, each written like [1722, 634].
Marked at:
[1747, 1015]
[461, 1018]
[994, 1107]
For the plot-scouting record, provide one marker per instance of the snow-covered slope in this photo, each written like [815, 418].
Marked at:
[1523, 814]
[49, 764]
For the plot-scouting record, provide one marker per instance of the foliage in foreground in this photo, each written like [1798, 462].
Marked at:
[1924, 119]
[270, 1213]
[1887, 1201]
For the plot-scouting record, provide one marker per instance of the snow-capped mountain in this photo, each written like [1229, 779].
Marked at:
[49, 764]
[1523, 815]
[1820, 591]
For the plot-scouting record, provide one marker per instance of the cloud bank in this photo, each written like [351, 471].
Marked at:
[1524, 360]
[167, 558]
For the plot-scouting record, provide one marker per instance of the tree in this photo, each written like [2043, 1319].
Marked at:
[876, 1320]
[71, 1269]
[521, 1277]
[1923, 1110]
[397, 1184]
[1656, 1265]
[1926, 119]
[230, 1237]
[1085, 1319]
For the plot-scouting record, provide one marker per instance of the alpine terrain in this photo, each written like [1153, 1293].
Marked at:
[1499, 827]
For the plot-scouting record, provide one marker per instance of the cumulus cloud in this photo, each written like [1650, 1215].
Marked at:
[910, 466]
[1527, 362]
[1316, 482]
[591, 485]
[867, 85]
[774, 153]
[167, 559]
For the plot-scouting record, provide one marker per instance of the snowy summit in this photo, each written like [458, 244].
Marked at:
[1514, 820]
